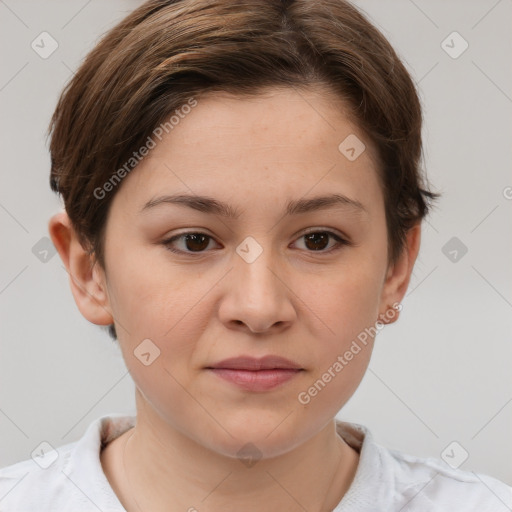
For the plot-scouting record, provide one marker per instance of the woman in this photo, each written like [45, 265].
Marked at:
[243, 208]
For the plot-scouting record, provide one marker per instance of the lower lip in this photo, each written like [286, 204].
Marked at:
[259, 380]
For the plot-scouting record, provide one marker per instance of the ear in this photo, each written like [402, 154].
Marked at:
[398, 276]
[87, 279]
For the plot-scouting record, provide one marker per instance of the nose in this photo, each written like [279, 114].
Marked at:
[257, 296]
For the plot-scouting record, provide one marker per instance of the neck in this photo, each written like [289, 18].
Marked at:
[174, 469]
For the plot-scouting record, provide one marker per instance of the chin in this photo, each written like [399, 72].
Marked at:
[254, 437]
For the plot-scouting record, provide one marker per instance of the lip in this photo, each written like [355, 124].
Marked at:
[269, 362]
[256, 374]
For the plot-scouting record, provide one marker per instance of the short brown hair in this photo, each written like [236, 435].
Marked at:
[167, 51]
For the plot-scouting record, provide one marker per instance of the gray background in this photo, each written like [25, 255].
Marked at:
[441, 374]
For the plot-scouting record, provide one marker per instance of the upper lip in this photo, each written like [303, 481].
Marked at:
[269, 362]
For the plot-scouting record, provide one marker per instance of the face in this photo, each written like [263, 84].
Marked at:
[203, 287]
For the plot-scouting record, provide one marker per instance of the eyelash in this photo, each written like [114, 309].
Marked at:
[341, 242]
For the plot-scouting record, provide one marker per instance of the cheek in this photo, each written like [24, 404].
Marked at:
[346, 301]
[152, 296]
[164, 315]
[335, 383]
[169, 306]
[348, 307]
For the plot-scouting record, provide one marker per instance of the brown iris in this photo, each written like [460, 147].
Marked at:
[197, 241]
[319, 241]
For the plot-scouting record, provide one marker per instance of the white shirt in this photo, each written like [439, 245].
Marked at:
[72, 479]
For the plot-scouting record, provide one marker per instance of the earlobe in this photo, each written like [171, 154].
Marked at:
[87, 280]
[398, 277]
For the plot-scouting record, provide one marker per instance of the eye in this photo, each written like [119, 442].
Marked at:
[317, 241]
[196, 243]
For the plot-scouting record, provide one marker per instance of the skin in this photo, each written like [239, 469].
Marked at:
[292, 301]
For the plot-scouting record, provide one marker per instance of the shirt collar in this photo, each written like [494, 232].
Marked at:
[83, 465]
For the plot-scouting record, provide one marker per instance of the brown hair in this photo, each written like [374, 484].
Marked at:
[167, 51]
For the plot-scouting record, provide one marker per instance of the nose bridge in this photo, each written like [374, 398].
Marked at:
[253, 269]
[256, 296]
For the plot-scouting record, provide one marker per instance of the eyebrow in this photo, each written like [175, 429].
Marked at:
[207, 204]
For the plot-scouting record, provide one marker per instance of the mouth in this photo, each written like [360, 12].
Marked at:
[256, 374]
[248, 363]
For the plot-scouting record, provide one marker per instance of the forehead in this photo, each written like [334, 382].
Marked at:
[283, 141]
[277, 117]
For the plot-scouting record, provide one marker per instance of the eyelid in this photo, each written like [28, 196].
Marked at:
[321, 229]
